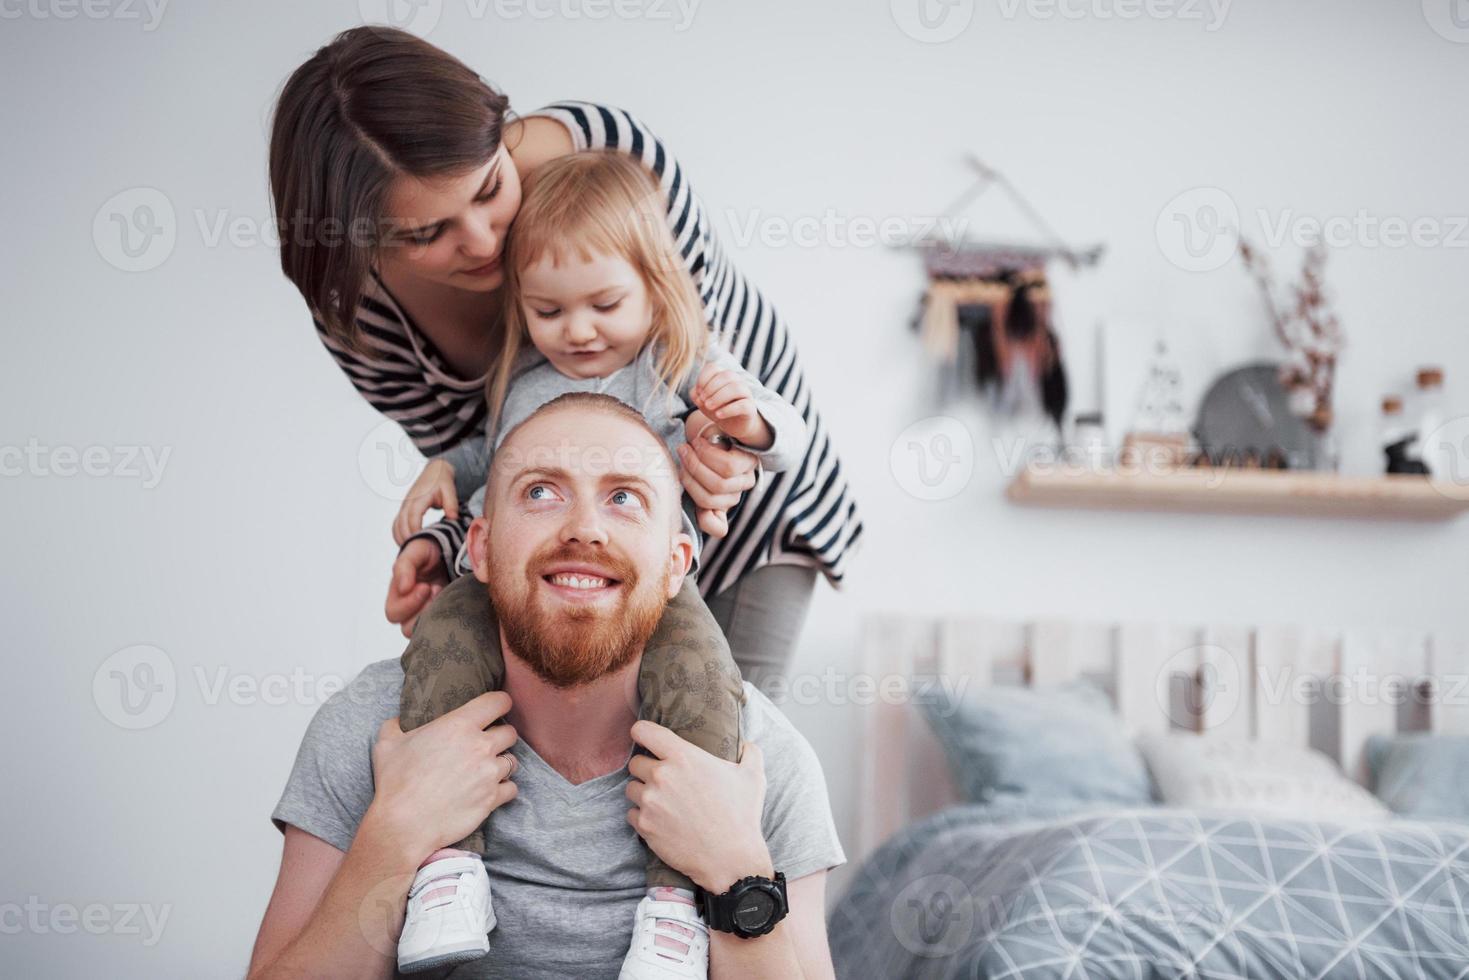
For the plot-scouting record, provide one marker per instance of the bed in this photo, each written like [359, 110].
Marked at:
[1025, 886]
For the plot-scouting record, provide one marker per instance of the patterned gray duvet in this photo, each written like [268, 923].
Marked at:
[1013, 891]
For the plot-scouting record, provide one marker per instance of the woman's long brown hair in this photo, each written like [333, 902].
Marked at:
[373, 104]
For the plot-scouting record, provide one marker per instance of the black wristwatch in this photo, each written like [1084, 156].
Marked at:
[752, 906]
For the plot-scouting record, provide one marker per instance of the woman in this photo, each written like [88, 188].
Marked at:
[396, 172]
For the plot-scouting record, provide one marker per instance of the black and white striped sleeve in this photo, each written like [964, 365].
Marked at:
[386, 371]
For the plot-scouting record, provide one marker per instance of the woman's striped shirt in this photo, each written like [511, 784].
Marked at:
[805, 516]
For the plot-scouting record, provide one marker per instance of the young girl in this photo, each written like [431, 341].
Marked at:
[595, 288]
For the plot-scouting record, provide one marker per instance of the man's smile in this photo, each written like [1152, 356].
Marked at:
[581, 582]
[577, 581]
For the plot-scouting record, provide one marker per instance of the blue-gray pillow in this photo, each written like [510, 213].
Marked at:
[1056, 745]
[1421, 775]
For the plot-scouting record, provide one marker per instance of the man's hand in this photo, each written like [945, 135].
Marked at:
[418, 576]
[339, 915]
[439, 782]
[697, 812]
[701, 815]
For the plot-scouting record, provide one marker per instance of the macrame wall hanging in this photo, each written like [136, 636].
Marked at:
[986, 314]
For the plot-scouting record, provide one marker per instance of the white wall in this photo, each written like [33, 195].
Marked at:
[263, 551]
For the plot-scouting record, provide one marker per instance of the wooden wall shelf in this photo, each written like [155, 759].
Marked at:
[1301, 494]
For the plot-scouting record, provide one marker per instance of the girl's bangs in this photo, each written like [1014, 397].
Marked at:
[585, 232]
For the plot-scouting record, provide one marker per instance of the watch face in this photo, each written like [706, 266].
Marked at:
[755, 908]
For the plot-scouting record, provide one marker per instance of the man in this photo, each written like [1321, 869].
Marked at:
[584, 476]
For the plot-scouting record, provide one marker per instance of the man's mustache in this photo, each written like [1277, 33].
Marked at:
[575, 553]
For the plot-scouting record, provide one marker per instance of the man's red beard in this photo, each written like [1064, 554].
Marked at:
[575, 645]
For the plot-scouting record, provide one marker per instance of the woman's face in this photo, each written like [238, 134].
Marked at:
[451, 230]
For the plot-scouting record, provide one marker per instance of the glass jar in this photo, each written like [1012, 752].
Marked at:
[1429, 416]
[1396, 437]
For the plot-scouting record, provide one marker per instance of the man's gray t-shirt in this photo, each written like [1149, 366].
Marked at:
[566, 869]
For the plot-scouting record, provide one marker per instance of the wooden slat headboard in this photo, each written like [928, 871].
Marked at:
[1288, 684]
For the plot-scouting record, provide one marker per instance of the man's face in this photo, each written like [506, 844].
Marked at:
[580, 547]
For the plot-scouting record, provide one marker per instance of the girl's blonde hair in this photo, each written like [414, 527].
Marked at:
[600, 203]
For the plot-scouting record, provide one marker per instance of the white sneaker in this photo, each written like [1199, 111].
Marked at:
[646, 960]
[445, 929]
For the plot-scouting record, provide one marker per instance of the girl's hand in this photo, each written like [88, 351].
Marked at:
[713, 475]
[433, 488]
[724, 396]
[697, 812]
[438, 782]
[418, 576]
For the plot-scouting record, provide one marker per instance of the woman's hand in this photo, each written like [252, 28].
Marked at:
[433, 488]
[418, 576]
[714, 475]
[697, 812]
[437, 783]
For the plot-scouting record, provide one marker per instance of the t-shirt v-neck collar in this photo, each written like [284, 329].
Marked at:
[573, 794]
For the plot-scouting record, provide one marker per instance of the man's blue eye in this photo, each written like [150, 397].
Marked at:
[534, 488]
[628, 496]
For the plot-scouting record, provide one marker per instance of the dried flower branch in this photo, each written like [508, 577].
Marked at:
[1306, 326]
